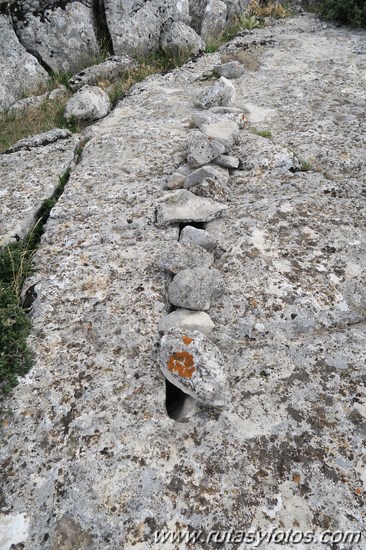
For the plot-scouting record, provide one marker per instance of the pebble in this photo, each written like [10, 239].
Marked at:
[196, 288]
[187, 320]
[221, 93]
[200, 237]
[227, 161]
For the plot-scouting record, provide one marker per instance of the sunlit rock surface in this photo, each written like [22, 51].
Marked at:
[89, 452]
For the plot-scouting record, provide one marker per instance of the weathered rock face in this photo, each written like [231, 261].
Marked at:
[214, 21]
[27, 178]
[20, 72]
[104, 73]
[63, 38]
[179, 40]
[135, 26]
[90, 458]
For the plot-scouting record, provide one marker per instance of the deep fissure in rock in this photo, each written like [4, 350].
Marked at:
[101, 27]
[174, 401]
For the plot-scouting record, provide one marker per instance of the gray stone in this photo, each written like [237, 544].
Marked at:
[223, 131]
[196, 288]
[20, 72]
[193, 363]
[27, 178]
[201, 150]
[211, 189]
[179, 40]
[214, 21]
[89, 103]
[58, 93]
[40, 140]
[209, 171]
[187, 319]
[135, 27]
[64, 38]
[200, 237]
[182, 206]
[221, 93]
[232, 69]
[20, 107]
[175, 257]
[104, 73]
[176, 181]
[226, 161]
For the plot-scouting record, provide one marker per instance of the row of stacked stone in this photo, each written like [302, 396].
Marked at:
[188, 358]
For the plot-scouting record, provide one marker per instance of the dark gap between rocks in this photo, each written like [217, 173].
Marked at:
[101, 27]
[174, 401]
[197, 225]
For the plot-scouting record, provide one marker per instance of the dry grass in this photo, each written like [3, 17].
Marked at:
[271, 9]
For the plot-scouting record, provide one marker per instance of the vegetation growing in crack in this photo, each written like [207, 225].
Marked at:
[16, 264]
[263, 133]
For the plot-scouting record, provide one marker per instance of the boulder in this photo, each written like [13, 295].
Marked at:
[20, 72]
[190, 361]
[221, 93]
[187, 320]
[180, 40]
[200, 237]
[89, 103]
[104, 73]
[201, 150]
[214, 21]
[209, 171]
[196, 288]
[135, 27]
[232, 69]
[183, 206]
[63, 38]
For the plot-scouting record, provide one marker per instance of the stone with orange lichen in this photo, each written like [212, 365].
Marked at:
[193, 363]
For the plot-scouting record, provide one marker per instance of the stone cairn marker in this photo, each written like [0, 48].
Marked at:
[197, 192]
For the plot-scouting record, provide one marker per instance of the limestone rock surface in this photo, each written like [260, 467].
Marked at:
[214, 20]
[193, 363]
[209, 171]
[175, 257]
[199, 237]
[182, 206]
[179, 39]
[27, 178]
[201, 150]
[196, 288]
[231, 69]
[186, 319]
[89, 455]
[20, 72]
[63, 37]
[135, 27]
[104, 73]
[221, 93]
[89, 103]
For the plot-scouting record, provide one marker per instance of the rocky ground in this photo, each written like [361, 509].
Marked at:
[90, 459]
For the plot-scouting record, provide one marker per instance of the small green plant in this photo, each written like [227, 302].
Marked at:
[263, 133]
[305, 165]
[270, 9]
[251, 22]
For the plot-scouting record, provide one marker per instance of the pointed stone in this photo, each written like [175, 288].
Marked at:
[201, 150]
[193, 363]
[183, 207]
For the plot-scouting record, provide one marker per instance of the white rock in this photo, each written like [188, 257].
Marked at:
[210, 171]
[179, 40]
[223, 131]
[196, 288]
[200, 237]
[193, 363]
[221, 93]
[89, 103]
[176, 256]
[187, 320]
[232, 69]
[176, 181]
[227, 161]
[182, 206]
[214, 20]
[201, 150]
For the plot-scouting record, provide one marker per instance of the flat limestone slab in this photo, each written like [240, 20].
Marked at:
[90, 458]
[27, 178]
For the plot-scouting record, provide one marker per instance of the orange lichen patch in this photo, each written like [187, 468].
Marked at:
[187, 340]
[296, 478]
[182, 363]
[358, 491]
